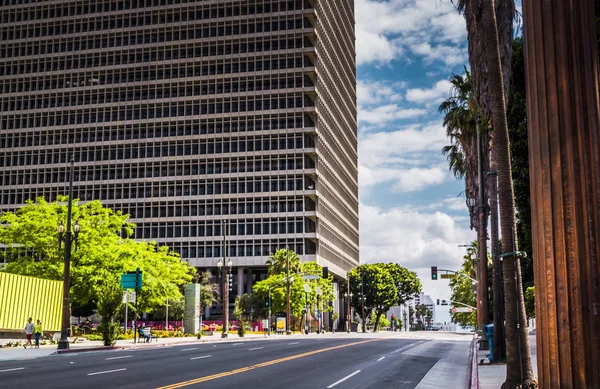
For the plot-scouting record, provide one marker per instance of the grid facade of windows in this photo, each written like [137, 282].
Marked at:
[184, 114]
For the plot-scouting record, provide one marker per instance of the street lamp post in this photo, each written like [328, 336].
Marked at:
[348, 316]
[362, 302]
[63, 343]
[225, 266]
[471, 204]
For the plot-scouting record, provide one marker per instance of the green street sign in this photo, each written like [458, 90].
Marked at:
[442, 276]
[128, 281]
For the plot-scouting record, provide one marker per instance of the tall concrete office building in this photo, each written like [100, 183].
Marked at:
[185, 114]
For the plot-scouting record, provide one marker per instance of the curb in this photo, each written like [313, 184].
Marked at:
[147, 346]
[85, 349]
[474, 368]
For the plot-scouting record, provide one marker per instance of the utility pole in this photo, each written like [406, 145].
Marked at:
[362, 301]
[348, 306]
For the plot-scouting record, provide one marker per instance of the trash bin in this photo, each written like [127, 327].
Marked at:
[489, 331]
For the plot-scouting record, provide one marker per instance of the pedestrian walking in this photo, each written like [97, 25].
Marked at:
[38, 331]
[29, 328]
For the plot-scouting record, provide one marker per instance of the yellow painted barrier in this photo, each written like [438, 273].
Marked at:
[23, 297]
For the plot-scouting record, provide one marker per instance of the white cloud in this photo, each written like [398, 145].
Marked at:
[376, 92]
[408, 158]
[416, 179]
[381, 147]
[434, 95]
[450, 55]
[455, 203]
[383, 29]
[415, 240]
[388, 113]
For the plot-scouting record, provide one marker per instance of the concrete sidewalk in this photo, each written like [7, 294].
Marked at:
[492, 376]
[17, 353]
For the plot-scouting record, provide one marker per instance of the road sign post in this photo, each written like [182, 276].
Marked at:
[132, 280]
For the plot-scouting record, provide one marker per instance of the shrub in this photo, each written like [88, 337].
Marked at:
[110, 332]
[241, 330]
[109, 302]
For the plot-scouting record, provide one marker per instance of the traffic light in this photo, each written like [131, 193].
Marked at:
[434, 273]
[266, 301]
[438, 301]
[325, 272]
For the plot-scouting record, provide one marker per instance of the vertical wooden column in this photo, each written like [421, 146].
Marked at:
[564, 161]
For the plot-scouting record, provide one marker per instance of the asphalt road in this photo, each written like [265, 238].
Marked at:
[336, 362]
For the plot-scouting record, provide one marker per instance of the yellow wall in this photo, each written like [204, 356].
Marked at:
[23, 297]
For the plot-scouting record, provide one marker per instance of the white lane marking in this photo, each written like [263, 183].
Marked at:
[403, 348]
[190, 349]
[343, 379]
[293, 343]
[106, 372]
[255, 348]
[202, 357]
[380, 359]
[237, 344]
[15, 369]
[124, 356]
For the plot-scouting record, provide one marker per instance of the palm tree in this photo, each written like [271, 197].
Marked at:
[490, 41]
[277, 262]
[461, 113]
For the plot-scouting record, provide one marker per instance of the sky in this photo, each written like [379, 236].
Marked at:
[412, 209]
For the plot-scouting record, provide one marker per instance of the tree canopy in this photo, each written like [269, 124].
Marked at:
[277, 284]
[384, 285]
[463, 290]
[104, 251]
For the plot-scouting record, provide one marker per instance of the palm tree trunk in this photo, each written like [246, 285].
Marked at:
[519, 371]
[499, 336]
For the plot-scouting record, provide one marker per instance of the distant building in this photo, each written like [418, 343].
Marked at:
[425, 300]
[197, 118]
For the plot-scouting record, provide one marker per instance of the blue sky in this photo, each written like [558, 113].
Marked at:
[409, 210]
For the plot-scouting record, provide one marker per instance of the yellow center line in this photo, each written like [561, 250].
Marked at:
[259, 365]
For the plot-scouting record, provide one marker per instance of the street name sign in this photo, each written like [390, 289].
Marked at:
[442, 276]
[462, 309]
[128, 281]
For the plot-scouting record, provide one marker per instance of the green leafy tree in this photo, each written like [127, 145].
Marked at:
[209, 292]
[109, 302]
[176, 310]
[102, 253]
[251, 307]
[277, 283]
[382, 319]
[239, 313]
[530, 302]
[462, 290]
[384, 286]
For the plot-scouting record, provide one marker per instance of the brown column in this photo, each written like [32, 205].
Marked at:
[564, 160]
